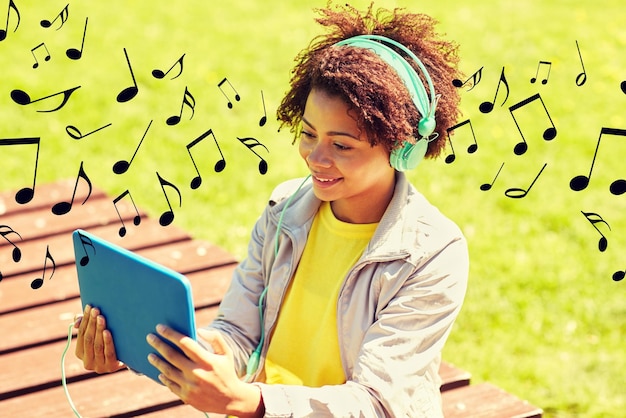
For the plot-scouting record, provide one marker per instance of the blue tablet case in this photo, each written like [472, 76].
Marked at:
[134, 294]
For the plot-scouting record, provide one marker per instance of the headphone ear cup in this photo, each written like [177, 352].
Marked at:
[408, 156]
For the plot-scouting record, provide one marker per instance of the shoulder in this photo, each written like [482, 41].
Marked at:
[286, 189]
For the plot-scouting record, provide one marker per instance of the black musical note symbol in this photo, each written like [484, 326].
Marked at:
[475, 79]
[251, 143]
[16, 254]
[237, 98]
[156, 73]
[582, 77]
[122, 166]
[46, 57]
[167, 217]
[129, 92]
[22, 98]
[25, 194]
[136, 219]
[76, 54]
[86, 241]
[548, 135]
[38, 282]
[263, 119]
[219, 165]
[3, 32]
[63, 15]
[581, 182]
[75, 133]
[517, 193]
[62, 208]
[545, 80]
[188, 100]
[472, 148]
[487, 186]
[486, 107]
[593, 219]
[623, 86]
[619, 275]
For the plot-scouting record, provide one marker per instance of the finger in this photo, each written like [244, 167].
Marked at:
[216, 340]
[167, 351]
[89, 338]
[110, 355]
[169, 375]
[84, 323]
[77, 320]
[191, 348]
[98, 343]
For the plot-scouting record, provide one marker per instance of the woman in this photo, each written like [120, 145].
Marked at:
[353, 280]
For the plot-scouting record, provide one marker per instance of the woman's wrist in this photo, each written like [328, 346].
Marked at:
[250, 403]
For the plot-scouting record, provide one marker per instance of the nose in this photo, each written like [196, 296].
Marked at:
[318, 155]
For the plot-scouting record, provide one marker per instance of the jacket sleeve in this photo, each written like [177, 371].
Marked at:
[395, 373]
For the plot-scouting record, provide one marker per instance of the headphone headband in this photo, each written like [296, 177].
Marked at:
[408, 155]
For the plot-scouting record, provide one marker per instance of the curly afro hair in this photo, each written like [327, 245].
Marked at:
[371, 87]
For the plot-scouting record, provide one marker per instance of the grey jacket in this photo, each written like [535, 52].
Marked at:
[395, 310]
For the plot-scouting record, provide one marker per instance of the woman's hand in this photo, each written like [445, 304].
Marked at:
[94, 343]
[207, 381]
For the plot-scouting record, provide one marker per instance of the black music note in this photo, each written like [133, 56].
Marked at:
[582, 77]
[62, 208]
[65, 13]
[475, 79]
[38, 282]
[25, 194]
[581, 182]
[22, 98]
[486, 107]
[219, 165]
[517, 193]
[167, 217]
[549, 134]
[487, 186]
[623, 86]
[593, 219]
[75, 133]
[76, 54]
[263, 119]
[86, 241]
[46, 57]
[472, 148]
[129, 92]
[188, 100]
[251, 143]
[619, 275]
[3, 32]
[122, 166]
[237, 98]
[545, 80]
[16, 254]
[136, 219]
[156, 73]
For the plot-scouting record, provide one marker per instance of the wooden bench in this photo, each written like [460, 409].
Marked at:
[35, 322]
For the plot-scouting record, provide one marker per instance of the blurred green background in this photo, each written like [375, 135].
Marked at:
[543, 318]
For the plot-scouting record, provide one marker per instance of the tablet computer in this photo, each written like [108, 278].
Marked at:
[134, 294]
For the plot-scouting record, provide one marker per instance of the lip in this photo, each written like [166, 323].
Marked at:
[324, 181]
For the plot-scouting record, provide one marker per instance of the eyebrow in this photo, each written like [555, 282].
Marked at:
[333, 133]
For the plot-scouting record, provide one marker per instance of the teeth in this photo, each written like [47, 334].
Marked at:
[324, 180]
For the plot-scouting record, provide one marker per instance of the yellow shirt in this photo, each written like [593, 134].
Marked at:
[304, 348]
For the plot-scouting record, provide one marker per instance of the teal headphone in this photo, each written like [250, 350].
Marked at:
[409, 155]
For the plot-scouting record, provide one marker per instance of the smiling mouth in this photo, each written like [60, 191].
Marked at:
[326, 181]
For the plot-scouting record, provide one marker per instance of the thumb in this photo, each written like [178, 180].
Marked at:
[215, 340]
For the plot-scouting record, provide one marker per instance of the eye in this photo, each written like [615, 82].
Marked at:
[342, 147]
[306, 134]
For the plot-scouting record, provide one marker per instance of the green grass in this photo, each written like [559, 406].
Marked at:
[542, 317]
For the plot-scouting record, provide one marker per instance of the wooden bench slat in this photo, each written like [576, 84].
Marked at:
[485, 400]
[453, 377]
[46, 195]
[43, 223]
